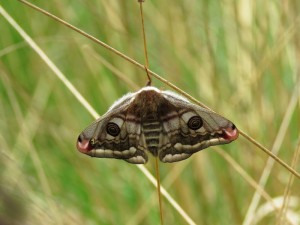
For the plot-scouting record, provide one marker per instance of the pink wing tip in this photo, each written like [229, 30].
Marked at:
[231, 133]
[83, 145]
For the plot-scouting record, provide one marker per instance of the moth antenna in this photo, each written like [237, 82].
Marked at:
[145, 43]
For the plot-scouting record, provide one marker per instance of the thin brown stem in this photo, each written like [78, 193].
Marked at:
[267, 151]
[158, 190]
[149, 84]
[149, 77]
[145, 44]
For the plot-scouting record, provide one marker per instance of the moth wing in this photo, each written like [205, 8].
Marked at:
[189, 128]
[116, 134]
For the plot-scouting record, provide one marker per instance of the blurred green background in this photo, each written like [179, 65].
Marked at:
[241, 58]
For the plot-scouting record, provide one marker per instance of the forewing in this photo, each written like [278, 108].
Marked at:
[188, 128]
[116, 134]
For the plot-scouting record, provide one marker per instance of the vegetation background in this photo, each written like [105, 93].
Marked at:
[241, 58]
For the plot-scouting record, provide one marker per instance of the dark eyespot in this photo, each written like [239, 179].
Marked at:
[113, 129]
[195, 122]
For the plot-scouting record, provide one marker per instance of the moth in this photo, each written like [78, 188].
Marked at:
[162, 123]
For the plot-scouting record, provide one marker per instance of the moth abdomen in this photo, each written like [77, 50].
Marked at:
[152, 130]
